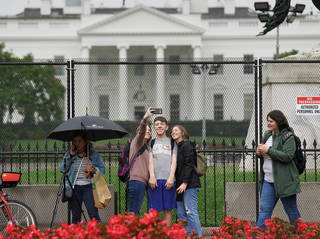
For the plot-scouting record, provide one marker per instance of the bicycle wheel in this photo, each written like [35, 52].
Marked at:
[21, 213]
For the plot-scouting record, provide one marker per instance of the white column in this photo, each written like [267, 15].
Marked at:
[160, 79]
[196, 89]
[82, 84]
[123, 84]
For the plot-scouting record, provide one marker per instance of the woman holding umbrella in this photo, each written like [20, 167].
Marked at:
[80, 164]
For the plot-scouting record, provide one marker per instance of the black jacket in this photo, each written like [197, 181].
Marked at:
[186, 164]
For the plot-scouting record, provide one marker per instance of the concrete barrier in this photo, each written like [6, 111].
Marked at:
[240, 202]
[41, 199]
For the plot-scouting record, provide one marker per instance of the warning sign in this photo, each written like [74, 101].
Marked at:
[308, 105]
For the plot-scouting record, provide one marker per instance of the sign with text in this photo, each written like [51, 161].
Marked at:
[308, 105]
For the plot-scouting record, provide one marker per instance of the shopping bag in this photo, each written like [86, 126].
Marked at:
[101, 193]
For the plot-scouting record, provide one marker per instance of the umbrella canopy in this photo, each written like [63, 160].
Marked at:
[95, 128]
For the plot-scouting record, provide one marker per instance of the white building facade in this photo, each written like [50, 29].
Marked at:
[193, 31]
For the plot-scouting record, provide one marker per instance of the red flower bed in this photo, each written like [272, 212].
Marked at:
[122, 226]
[125, 226]
[275, 229]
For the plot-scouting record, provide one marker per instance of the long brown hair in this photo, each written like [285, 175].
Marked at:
[185, 134]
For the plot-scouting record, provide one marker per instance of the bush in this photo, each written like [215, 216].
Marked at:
[122, 226]
[275, 229]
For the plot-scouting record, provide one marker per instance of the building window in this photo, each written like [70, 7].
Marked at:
[219, 58]
[59, 68]
[139, 69]
[248, 68]
[104, 106]
[174, 69]
[174, 107]
[139, 112]
[247, 106]
[218, 106]
[102, 69]
[73, 3]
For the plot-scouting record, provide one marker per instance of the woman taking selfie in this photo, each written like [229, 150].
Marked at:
[79, 170]
[187, 180]
[280, 177]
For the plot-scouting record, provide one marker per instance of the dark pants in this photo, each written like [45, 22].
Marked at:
[83, 193]
[135, 191]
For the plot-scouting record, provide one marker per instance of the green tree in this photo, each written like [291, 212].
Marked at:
[30, 90]
[285, 54]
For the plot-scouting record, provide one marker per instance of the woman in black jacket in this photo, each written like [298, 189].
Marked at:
[187, 180]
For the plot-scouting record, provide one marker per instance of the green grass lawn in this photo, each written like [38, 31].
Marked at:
[211, 195]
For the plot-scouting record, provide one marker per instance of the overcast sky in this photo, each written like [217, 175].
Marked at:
[12, 7]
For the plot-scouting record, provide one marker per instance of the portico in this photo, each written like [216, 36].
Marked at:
[110, 40]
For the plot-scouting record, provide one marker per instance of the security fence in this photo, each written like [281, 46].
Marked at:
[223, 105]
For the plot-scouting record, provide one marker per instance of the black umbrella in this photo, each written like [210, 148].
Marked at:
[95, 128]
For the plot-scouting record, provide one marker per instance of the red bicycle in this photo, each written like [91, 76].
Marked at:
[13, 211]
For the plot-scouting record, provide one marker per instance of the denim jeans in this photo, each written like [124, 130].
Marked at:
[135, 194]
[268, 202]
[187, 210]
[83, 193]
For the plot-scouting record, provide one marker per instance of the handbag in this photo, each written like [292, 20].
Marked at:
[68, 191]
[100, 190]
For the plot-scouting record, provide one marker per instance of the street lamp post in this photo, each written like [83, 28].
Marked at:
[204, 69]
[263, 15]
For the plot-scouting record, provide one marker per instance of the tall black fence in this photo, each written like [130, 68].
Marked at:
[222, 104]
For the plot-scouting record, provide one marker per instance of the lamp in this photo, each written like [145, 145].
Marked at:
[291, 17]
[195, 69]
[261, 6]
[214, 69]
[263, 17]
[299, 8]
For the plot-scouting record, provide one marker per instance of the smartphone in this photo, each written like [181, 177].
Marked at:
[156, 111]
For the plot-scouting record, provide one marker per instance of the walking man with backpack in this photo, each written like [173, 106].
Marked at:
[162, 167]
[138, 159]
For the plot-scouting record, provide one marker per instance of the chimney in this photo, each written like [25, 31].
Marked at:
[45, 7]
[185, 7]
[229, 7]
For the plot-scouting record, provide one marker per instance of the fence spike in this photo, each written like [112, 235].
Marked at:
[253, 144]
[118, 145]
[28, 146]
[204, 144]
[46, 146]
[55, 146]
[20, 147]
[109, 145]
[37, 146]
[243, 143]
[304, 144]
[315, 143]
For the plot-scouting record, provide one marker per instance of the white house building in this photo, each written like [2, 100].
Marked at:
[191, 29]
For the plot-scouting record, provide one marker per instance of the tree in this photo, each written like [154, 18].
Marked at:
[285, 54]
[32, 91]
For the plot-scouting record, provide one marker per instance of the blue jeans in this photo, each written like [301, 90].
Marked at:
[83, 193]
[268, 202]
[135, 194]
[187, 210]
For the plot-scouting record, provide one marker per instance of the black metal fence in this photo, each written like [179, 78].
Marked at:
[224, 103]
